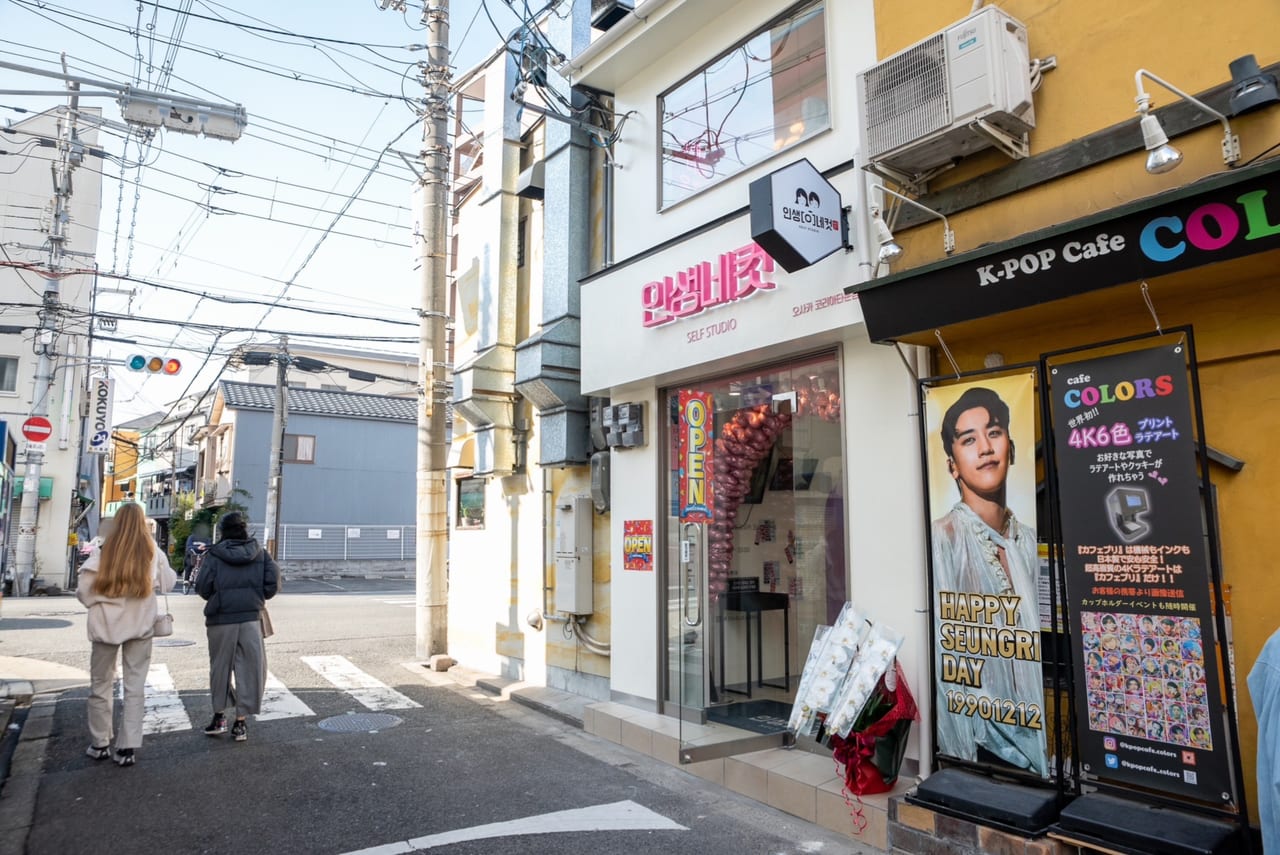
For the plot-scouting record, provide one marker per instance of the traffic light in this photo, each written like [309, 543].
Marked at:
[154, 364]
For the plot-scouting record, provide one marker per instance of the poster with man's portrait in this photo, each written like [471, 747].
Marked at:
[980, 459]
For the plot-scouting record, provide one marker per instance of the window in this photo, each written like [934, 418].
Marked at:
[299, 448]
[471, 502]
[759, 98]
[8, 374]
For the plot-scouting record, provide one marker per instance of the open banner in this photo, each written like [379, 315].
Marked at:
[988, 678]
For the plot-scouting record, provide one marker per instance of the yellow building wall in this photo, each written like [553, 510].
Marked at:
[1235, 310]
[125, 456]
[565, 652]
[1099, 46]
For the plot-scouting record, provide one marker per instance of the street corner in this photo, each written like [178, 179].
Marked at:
[23, 676]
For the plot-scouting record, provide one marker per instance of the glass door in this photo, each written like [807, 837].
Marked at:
[754, 547]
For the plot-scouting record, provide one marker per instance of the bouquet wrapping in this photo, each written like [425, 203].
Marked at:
[872, 751]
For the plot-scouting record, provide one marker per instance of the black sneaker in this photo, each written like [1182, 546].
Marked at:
[218, 726]
[124, 757]
[240, 730]
[98, 753]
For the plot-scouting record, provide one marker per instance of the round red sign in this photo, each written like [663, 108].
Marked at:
[37, 428]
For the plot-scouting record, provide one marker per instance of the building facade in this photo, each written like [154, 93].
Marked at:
[346, 495]
[26, 195]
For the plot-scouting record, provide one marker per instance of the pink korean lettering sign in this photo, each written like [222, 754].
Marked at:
[733, 276]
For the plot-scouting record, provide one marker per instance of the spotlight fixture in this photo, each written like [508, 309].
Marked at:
[889, 249]
[1250, 88]
[1161, 156]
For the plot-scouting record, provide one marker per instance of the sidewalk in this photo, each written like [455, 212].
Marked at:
[22, 676]
[802, 784]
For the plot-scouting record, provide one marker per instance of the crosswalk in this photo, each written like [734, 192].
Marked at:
[166, 713]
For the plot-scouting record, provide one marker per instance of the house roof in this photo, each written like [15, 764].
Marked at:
[321, 402]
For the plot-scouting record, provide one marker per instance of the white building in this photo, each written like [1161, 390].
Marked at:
[712, 620]
[26, 202]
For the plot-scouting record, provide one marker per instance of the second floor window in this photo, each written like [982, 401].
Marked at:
[758, 98]
[8, 374]
[299, 448]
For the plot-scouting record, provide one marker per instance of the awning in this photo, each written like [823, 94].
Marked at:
[1225, 216]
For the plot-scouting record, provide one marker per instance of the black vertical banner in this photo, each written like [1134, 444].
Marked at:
[1137, 574]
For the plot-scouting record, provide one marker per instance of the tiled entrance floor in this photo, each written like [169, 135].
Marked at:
[802, 783]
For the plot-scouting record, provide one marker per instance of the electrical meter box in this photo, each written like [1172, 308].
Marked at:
[573, 555]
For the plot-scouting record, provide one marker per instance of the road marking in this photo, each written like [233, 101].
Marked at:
[279, 702]
[163, 711]
[409, 603]
[368, 690]
[618, 816]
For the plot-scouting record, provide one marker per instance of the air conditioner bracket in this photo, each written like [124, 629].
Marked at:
[1016, 147]
[917, 184]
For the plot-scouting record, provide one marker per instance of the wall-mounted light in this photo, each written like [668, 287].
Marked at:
[1250, 88]
[1161, 157]
[890, 250]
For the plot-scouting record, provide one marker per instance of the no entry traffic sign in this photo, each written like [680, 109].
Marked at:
[37, 429]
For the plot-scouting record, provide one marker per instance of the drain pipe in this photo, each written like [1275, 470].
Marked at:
[579, 628]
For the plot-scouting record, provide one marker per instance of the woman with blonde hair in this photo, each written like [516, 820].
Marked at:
[118, 583]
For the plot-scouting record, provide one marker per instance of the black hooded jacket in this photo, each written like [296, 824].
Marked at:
[236, 578]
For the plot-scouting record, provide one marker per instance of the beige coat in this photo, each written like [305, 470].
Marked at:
[115, 620]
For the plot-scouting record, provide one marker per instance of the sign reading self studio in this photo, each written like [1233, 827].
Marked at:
[1235, 215]
[1137, 574]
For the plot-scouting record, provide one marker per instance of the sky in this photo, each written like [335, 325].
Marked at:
[303, 226]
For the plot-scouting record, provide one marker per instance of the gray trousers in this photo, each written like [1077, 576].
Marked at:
[135, 660]
[236, 648]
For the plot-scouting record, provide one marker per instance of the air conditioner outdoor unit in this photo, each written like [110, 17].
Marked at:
[962, 90]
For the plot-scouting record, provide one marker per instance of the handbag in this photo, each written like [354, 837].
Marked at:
[164, 622]
[267, 630]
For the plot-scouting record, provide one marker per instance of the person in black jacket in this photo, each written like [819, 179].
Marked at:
[236, 579]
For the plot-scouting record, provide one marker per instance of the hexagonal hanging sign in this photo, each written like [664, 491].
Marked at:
[797, 216]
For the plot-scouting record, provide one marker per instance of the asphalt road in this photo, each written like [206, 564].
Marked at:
[448, 763]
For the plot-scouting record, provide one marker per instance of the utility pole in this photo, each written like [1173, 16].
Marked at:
[275, 466]
[69, 155]
[432, 616]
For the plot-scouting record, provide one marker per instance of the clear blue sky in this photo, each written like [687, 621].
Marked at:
[324, 84]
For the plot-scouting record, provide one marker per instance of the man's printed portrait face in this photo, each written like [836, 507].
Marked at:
[981, 452]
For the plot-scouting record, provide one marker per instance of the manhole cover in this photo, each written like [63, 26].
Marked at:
[359, 722]
[172, 642]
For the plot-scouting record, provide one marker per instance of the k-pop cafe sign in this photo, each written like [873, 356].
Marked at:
[1167, 233]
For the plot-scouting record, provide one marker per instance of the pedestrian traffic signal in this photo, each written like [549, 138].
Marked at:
[154, 364]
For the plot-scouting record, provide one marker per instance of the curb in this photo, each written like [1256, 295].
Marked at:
[18, 807]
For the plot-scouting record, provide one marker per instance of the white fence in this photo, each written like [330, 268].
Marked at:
[347, 543]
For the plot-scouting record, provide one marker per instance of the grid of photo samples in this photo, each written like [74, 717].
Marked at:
[1144, 677]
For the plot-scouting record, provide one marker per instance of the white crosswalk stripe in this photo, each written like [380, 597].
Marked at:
[164, 712]
[278, 702]
[366, 689]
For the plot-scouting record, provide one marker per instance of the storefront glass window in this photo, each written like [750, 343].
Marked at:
[764, 95]
[775, 525]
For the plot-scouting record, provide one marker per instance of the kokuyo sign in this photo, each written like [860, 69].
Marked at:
[99, 440]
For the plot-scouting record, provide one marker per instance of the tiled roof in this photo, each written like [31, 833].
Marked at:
[321, 402]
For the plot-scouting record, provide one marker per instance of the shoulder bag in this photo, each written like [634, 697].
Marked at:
[164, 621]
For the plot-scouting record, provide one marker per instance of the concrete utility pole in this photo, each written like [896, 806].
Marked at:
[69, 156]
[431, 556]
[275, 466]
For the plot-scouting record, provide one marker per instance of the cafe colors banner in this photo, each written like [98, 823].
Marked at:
[1137, 575]
[697, 494]
[989, 685]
